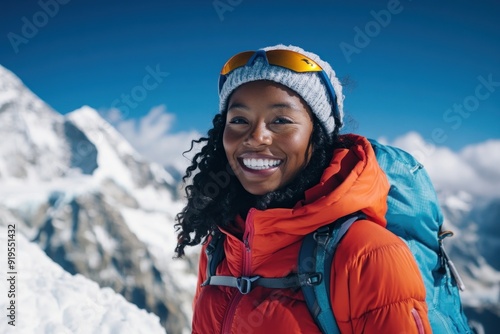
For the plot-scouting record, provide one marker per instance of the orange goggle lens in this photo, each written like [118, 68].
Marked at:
[285, 58]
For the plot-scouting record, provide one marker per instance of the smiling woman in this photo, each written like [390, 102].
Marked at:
[285, 173]
[267, 137]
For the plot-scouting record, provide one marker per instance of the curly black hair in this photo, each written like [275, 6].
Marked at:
[215, 196]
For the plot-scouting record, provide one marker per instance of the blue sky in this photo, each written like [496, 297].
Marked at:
[426, 66]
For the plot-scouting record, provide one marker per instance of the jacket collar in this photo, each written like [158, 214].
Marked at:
[352, 182]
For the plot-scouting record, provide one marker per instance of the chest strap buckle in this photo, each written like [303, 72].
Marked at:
[244, 283]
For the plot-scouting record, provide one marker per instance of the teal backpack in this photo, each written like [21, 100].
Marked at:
[413, 214]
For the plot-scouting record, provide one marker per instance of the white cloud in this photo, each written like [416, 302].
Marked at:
[485, 158]
[475, 169]
[151, 137]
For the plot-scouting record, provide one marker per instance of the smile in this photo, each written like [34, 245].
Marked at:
[260, 164]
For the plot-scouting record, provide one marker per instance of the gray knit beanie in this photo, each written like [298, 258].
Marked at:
[307, 85]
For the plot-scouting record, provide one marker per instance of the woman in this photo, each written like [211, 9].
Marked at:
[274, 169]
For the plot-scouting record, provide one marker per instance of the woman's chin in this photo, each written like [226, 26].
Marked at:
[258, 190]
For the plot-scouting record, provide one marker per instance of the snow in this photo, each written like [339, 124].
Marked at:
[481, 293]
[13, 192]
[50, 300]
[14, 195]
[151, 229]
[107, 242]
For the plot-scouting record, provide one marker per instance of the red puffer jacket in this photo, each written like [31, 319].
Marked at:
[376, 286]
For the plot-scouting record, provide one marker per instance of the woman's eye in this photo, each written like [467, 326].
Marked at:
[282, 120]
[237, 120]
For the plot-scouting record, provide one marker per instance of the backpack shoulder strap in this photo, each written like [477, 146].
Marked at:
[215, 253]
[316, 256]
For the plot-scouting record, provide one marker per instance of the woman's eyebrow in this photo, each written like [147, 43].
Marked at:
[285, 105]
[237, 105]
[279, 105]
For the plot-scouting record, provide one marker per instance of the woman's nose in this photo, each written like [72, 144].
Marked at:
[259, 135]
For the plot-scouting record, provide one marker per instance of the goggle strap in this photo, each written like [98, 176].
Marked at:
[331, 92]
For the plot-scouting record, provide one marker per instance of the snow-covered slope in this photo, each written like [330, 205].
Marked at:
[50, 300]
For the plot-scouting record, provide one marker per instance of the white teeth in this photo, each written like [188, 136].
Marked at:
[261, 163]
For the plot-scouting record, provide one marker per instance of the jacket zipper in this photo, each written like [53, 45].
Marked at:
[245, 271]
[418, 321]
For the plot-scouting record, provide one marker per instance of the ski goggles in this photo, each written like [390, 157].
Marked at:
[288, 59]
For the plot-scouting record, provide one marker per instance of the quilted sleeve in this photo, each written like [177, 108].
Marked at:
[377, 286]
[202, 273]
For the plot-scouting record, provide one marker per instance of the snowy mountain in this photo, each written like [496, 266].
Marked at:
[47, 299]
[474, 249]
[77, 189]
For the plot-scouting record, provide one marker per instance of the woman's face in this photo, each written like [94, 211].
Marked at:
[267, 135]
